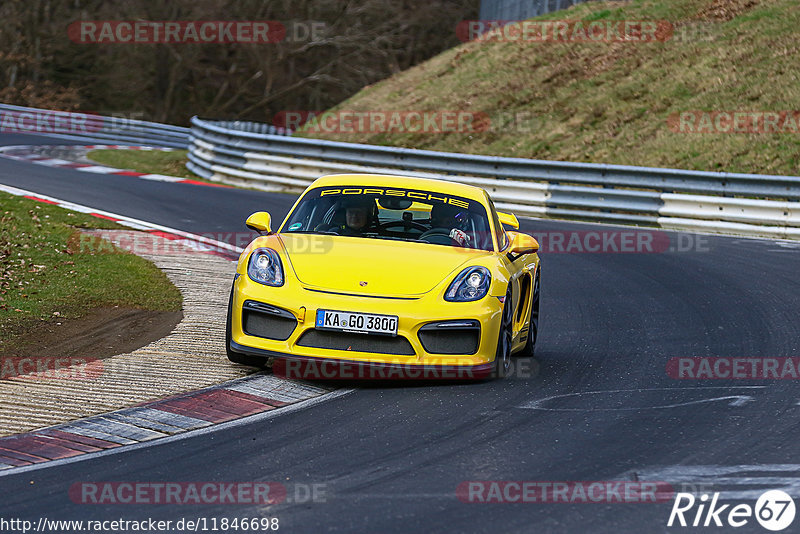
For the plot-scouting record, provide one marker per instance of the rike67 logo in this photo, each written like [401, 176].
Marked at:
[774, 510]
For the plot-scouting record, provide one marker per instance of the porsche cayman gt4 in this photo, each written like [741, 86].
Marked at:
[387, 272]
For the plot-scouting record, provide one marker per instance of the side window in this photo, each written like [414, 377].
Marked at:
[500, 233]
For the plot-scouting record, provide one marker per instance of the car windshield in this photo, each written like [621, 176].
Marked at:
[399, 214]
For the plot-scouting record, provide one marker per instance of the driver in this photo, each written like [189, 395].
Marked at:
[447, 219]
[359, 215]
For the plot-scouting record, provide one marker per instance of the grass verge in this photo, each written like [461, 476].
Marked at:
[43, 278]
[170, 163]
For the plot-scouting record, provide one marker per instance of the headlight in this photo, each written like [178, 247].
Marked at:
[265, 267]
[471, 284]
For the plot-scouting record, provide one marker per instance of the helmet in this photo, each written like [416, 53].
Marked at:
[357, 201]
[445, 216]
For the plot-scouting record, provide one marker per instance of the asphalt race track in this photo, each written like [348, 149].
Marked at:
[390, 457]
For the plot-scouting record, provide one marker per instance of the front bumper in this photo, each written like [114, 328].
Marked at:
[301, 304]
[314, 368]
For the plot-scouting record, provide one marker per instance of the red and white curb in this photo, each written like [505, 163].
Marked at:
[211, 246]
[34, 154]
[237, 399]
[206, 410]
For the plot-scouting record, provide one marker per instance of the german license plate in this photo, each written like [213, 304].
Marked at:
[365, 323]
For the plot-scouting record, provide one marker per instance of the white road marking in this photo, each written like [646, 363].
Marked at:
[732, 482]
[736, 400]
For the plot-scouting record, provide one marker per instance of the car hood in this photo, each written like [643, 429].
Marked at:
[357, 265]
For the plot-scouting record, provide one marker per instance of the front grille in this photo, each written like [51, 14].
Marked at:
[322, 339]
[269, 322]
[451, 337]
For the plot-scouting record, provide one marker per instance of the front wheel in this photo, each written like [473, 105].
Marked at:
[502, 357]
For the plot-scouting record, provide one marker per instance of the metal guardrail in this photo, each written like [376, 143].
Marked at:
[744, 204]
[80, 126]
[263, 156]
[253, 127]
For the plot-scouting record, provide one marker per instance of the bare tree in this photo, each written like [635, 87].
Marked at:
[354, 43]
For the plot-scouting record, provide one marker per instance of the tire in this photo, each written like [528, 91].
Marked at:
[533, 326]
[238, 357]
[502, 357]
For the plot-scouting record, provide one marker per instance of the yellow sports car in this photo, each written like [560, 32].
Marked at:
[412, 277]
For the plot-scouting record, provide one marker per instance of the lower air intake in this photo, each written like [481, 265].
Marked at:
[451, 337]
[267, 326]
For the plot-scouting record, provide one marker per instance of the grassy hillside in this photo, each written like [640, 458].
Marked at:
[610, 102]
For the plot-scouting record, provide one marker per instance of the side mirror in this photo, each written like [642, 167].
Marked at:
[508, 219]
[259, 222]
[522, 244]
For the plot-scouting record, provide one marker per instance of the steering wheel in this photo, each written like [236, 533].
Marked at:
[326, 228]
[440, 236]
[405, 224]
[435, 231]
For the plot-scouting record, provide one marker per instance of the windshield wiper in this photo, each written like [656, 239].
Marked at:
[390, 238]
[312, 232]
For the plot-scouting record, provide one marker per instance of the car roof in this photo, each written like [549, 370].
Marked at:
[407, 182]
